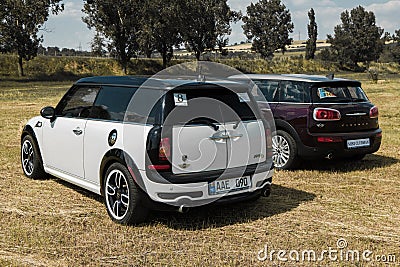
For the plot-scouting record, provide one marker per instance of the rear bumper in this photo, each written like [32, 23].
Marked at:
[169, 196]
[339, 149]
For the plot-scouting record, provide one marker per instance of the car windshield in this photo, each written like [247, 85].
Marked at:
[338, 94]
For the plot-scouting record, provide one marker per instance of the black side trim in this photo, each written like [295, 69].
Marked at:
[118, 155]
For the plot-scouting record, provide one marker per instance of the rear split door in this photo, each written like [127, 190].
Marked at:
[346, 98]
[213, 129]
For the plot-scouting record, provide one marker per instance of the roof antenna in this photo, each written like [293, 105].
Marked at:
[330, 76]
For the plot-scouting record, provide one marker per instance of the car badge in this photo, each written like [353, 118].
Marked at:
[112, 137]
[184, 165]
[320, 125]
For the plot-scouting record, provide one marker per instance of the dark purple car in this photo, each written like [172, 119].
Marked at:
[318, 117]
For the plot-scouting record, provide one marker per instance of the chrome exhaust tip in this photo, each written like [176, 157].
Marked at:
[183, 209]
[329, 156]
[266, 191]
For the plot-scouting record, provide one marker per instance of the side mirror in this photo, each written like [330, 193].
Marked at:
[48, 113]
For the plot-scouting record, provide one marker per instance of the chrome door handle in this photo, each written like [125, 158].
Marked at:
[235, 136]
[219, 137]
[77, 131]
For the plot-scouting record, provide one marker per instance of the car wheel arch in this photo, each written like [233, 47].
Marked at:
[28, 130]
[118, 155]
[285, 126]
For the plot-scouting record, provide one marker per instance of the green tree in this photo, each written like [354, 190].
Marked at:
[395, 49]
[357, 39]
[268, 24]
[20, 22]
[159, 28]
[118, 21]
[204, 21]
[312, 28]
[97, 45]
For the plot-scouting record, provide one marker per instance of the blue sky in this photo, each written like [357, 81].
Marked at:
[68, 30]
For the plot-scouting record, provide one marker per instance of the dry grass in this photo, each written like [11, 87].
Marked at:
[51, 223]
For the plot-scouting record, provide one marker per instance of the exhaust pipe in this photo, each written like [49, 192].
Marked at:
[183, 209]
[266, 191]
[329, 156]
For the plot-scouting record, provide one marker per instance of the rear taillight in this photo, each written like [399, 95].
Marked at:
[326, 114]
[165, 149]
[374, 112]
[329, 139]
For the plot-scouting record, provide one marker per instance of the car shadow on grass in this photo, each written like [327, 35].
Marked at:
[370, 162]
[281, 200]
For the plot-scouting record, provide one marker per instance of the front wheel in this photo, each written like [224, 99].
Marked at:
[284, 149]
[30, 158]
[122, 196]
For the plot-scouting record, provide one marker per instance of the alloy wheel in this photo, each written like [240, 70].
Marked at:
[28, 156]
[280, 150]
[117, 194]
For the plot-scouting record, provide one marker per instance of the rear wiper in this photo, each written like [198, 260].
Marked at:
[206, 122]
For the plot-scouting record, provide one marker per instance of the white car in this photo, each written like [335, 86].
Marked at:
[153, 144]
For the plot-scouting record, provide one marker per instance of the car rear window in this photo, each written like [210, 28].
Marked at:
[338, 93]
[217, 104]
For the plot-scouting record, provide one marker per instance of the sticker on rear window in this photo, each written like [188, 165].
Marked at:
[180, 99]
[324, 93]
[243, 97]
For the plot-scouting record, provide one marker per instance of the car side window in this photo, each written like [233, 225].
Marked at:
[145, 107]
[77, 102]
[296, 92]
[111, 103]
[269, 89]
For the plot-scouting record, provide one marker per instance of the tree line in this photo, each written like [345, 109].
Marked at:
[129, 28]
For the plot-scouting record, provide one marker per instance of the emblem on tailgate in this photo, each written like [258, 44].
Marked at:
[184, 165]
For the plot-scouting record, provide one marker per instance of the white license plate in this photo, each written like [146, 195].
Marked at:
[358, 143]
[229, 185]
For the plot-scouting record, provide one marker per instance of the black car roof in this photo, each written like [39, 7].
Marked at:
[156, 83]
[120, 80]
[291, 77]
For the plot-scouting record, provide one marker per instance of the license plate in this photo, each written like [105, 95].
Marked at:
[229, 185]
[358, 143]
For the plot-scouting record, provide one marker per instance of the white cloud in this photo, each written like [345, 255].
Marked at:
[72, 9]
[387, 15]
[69, 24]
[309, 3]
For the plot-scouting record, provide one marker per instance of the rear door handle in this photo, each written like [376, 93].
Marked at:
[77, 131]
[221, 137]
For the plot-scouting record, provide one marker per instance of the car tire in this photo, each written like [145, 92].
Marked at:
[31, 160]
[284, 150]
[122, 196]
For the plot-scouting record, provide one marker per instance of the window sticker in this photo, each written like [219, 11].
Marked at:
[180, 99]
[243, 97]
[324, 93]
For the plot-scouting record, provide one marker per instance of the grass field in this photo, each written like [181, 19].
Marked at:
[51, 223]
